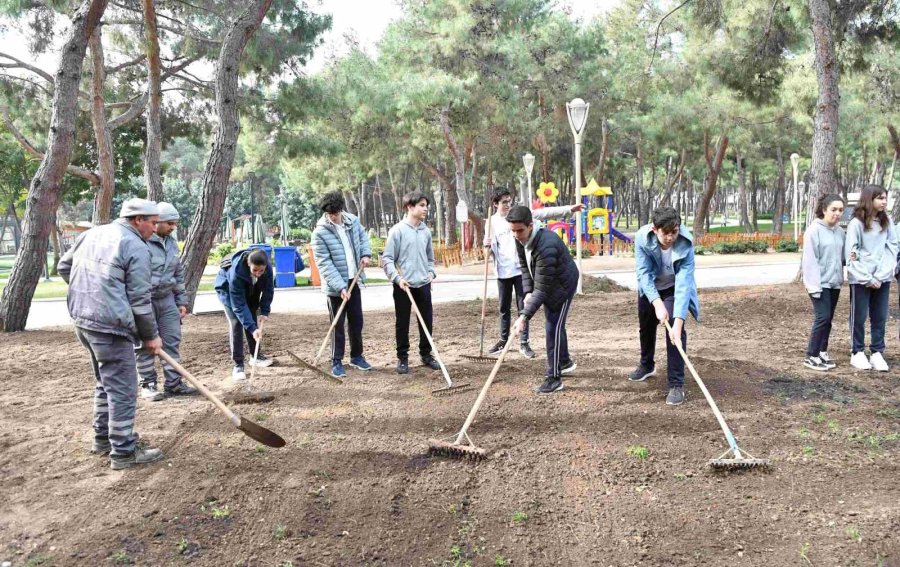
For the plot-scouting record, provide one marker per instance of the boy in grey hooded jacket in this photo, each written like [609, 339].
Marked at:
[408, 261]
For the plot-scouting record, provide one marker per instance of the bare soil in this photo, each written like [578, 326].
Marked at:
[601, 473]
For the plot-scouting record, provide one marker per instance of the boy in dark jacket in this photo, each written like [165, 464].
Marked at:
[341, 247]
[549, 279]
[245, 285]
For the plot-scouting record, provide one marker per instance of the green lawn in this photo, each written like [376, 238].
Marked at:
[787, 229]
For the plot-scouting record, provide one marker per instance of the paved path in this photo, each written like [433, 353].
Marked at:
[53, 312]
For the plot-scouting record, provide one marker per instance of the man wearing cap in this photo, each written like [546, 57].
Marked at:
[108, 272]
[169, 307]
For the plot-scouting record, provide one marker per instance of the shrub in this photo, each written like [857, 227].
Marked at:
[757, 246]
[737, 247]
[786, 245]
[219, 252]
[702, 251]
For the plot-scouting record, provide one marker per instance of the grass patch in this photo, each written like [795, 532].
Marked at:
[638, 452]
[519, 517]
[220, 513]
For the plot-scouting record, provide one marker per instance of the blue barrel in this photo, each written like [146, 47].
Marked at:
[284, 266]
[267, 248]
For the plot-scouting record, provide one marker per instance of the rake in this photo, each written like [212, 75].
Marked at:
[480, 357]
[337, 316]
[450, 389]
[457, 449]
[739, 458]
[250, 395]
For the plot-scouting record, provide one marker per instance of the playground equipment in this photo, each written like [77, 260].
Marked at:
[597, 223]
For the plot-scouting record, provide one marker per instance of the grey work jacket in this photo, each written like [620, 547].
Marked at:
[167, 276]
[108, 272]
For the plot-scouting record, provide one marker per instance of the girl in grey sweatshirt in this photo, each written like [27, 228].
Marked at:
[871, 255]
[823, 274]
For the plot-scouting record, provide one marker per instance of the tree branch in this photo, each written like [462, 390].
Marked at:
[116, 68]
[26, 144]
[133, 112]
[658, 27]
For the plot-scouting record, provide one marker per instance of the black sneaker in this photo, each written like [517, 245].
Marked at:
[182, 389]
[137, 458]
[525, 349]
[402, 366]
[568, 368]
[675, 397]
[551, 384]
[815, 363]
[640, 374]
[497, 348]
[431, 362]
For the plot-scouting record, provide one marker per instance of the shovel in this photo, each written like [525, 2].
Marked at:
[462, 447]
[739, 459]
[250, 429]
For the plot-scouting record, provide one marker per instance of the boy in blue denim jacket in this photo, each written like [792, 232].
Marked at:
[664, 261]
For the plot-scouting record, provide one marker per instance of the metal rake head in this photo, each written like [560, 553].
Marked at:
[250, 397]
[476, 358]
[739, 461]
[452, 390]
[440, 448]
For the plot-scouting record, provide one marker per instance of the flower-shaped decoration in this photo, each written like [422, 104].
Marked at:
[547, 192]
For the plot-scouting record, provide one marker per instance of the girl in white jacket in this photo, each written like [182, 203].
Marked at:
[871, 255]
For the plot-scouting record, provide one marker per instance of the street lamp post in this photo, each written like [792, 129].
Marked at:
[528, 160]
[577, 110]
[795, 210]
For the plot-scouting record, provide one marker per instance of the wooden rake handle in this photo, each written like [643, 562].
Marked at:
[428, 335]
[337, 316]
[484, 389]
[484, 289]
[712, 403]
[233, 417]
[255, 360]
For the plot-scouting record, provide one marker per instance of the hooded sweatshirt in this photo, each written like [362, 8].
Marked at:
[823, 257]
[409, 248]
[871, 254]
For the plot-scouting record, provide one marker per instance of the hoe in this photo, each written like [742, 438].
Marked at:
[738, 458]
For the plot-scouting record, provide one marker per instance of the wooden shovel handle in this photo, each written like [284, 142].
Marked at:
[235, 418]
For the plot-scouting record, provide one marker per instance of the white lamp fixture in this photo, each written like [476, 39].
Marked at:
[528, 160]
[577, 111]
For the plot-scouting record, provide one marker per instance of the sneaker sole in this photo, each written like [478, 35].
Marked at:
[130, 464]
[360, 368]
[158, 397]
[569, 370]
[551, 391]
[668, 403]
[642, 378]
[816, 368]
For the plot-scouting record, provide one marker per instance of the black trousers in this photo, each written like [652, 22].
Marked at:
[872, 303]
[557, 341]
[505, 287]
[403, 309]
[823, 310]
[648, 324]
[353, 314]
[237, 334]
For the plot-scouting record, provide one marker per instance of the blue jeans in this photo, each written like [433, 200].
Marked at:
[871, 303]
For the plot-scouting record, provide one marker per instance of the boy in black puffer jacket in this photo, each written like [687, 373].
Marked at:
[549, 279]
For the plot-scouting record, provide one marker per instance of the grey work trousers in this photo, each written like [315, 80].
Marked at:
[116, 388]
[169, 322]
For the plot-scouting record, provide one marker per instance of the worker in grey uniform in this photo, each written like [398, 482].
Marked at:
[108, 272]
[169, 307]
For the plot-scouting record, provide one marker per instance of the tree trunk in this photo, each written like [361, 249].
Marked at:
[754, 192]
[57, 248]
[778, 214]
[713, 168]
[895, 142]
[152, 151]
[742, 192]
[450, 203]
[394, 193]
[221, 159]
[43, 195]
[604, 151]
[102, 134]
[826, 115]
[639, 184]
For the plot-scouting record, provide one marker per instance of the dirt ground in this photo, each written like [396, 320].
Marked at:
[601, 473]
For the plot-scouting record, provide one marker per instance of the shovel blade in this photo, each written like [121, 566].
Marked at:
[261, 434]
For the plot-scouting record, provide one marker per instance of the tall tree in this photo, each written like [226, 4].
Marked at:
[822, 172]
[43, 195]
[153, 148]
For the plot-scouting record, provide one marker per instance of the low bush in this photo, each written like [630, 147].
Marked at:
[786, 245]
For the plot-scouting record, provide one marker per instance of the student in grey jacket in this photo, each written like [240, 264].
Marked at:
[341, 247]
[170, 302]
[823, 274]
[871, 255]
[410, 249]
[108, 272]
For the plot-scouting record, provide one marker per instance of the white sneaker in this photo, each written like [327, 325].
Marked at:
[149, 393]
[878, 363]
[238, 375]
[262, 362]
[860, 361]
[827, 360]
